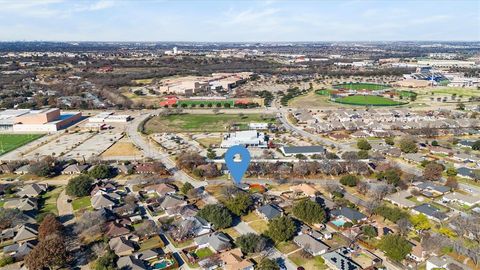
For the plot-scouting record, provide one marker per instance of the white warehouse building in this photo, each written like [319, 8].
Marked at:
[248, 138]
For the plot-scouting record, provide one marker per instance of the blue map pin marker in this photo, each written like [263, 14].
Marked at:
[237, 169]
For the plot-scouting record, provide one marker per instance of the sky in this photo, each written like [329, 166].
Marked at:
[239, 21]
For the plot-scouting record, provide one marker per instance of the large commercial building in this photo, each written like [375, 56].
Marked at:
[109, 117]
[45, 120]
[248, 138]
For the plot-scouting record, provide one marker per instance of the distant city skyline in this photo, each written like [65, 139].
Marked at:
[239, 21]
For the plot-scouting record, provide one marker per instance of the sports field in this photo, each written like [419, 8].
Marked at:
[9, 142]
[203, 122]
[368, 101]
[361, 86]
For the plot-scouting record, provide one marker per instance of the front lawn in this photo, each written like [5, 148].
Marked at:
[154, 242]
[48, 201]
[286, 247]
[203, 253]
[316, 262]
[260, 226]
[81, 203]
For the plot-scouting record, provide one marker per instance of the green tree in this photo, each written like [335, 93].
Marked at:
[392, 214]
[186, 187]
[389, 141]
[435, 143]
[362, 154]
[107, 261]
[309, 212]
[211, 154]
[420, 222]
[408, 145]
[281, 229]
[369, 231]
[395, 247]
[363, 144]
[239, 204]
[267, 264]
[461, 106]
[6, 260]
[251, 243]
[451, 171]
[101, 171]
[216, 214]
[392, 176]
[79, 186]
[476, 145]
[349, 180]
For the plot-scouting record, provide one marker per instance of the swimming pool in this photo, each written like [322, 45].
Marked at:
[339, 222]
[162, 264]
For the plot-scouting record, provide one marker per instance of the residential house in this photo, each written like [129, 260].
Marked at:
[468, 200]
[32, 190]
[310, 244]
[171, 201]
[130, 263]
[100, 201]
[23, 204]
[339, 260]
[468, 173]
[216, 241]
[161, 189]
[122, 246]
[198, 225]
[19, 250]
[414, 157]
[305, 190]
[233, 260]
[269, 211]
[400, 199]
[440, 150]
[124, 168]
[430, 189]
[349, 214]
[6, 168]
[23, 169]
[289, 151]
[430, 211]
[184, 211]
[75, 169]
[115, 229]
[26, 232]
[445, 262]
[417, 254]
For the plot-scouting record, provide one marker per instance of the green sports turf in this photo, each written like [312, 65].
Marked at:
[368, 100]
[9, 142]
[361, 86]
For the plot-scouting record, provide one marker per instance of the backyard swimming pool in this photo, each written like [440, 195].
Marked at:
[339, 222]
[162, 264]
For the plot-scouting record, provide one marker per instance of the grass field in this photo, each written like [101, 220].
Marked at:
[311, 100]
[81, 203]
[122, 148]
[213, 103]
[367, 100]
[361, 86]
[48, 201]
[311, 263]
[202, 122]
[9, 142]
